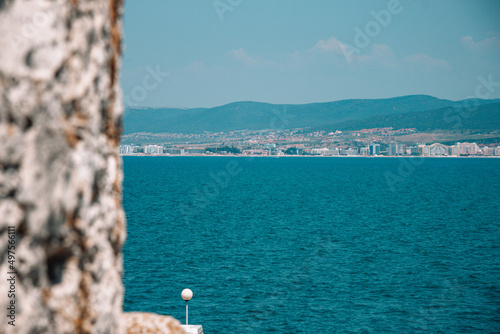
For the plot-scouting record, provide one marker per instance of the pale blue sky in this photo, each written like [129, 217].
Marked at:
[298, 51]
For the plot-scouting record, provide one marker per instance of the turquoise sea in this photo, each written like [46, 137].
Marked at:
[315, 245]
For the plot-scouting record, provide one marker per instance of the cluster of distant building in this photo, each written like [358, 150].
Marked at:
[374, 149]
[400, 149]
[159, 150]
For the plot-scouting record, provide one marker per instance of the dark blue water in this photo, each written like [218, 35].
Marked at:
[315, 245]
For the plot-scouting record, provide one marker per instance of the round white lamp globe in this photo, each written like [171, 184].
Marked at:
[187, 294]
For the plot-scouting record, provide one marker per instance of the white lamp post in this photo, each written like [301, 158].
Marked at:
[187, 294]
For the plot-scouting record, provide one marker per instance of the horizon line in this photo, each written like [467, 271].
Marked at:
[299, 104]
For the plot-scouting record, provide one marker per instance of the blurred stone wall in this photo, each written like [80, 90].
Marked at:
[60, 172]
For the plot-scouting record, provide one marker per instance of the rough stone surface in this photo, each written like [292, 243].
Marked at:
[60, 173]
[142, 323]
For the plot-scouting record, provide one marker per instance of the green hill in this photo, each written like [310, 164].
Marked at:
[257, 116]
[482, 118]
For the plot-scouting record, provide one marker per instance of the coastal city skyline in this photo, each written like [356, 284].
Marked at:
[392, 149]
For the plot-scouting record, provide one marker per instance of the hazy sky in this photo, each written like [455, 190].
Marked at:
[301, 51]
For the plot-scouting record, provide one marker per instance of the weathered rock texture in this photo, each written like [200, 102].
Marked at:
[60, 174]
[142, 323]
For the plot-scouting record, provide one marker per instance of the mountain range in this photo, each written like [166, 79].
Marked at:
[414, 111]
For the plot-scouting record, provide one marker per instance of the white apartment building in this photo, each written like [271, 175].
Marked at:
[332, 152]
[153, 149]
[126, 149]
[453, 150]
[468, 148]
[488, 150]
[319, 151]
[438, 149]
[424, 150]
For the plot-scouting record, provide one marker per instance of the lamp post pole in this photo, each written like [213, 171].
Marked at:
[187, 294]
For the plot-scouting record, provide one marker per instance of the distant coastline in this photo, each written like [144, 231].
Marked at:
[307, 156]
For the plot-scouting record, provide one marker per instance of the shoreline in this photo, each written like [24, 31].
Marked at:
[307, 156]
